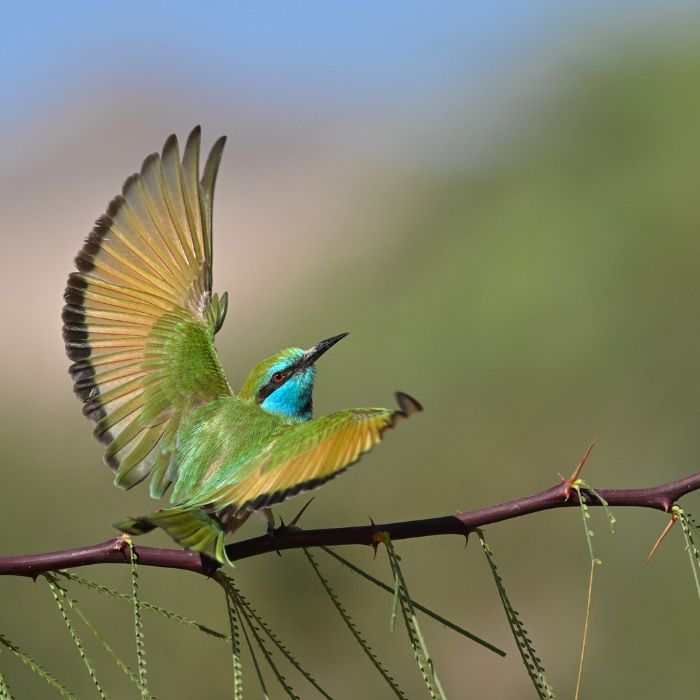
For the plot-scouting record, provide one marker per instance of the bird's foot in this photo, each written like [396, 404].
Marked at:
[269, 515]
[281, 529]
[273, 531]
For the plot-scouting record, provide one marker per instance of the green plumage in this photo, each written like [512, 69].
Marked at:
[139, 324]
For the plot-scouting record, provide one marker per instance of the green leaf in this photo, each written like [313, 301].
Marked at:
[275, 640]
[232, 592]
[533, 664]
[394, 606]
[256, 665]
[117, 659]
[5, 693]
[59, 594]
[353, 628]
[163, 612]
[235, 649]
[586, 515]
[138, 625]
[36, 668]
[689, 529]
[420, 649]
[456, 628]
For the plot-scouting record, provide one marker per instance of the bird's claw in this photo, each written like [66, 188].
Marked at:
[281, 529]
[273, 531]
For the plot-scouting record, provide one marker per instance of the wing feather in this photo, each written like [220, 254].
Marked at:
[306, 456]
[137, 322]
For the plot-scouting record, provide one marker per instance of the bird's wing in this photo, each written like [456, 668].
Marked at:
[140, 316]
[306, 456]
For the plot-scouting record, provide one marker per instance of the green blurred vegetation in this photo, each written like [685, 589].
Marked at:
[530, 304]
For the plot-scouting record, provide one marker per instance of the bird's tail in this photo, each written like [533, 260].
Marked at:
[191, 528]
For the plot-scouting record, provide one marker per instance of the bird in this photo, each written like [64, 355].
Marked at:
[139, 322]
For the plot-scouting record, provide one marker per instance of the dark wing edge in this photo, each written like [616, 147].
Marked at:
[309, 455]
[143, 275]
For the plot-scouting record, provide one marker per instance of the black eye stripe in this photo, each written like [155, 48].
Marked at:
[272, 385]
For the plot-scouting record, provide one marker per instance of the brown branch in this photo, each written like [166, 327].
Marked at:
[116, 551]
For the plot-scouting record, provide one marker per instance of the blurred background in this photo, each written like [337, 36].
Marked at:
[498, 200]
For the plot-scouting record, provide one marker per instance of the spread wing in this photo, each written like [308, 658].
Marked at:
[140, 316]
[306, 456]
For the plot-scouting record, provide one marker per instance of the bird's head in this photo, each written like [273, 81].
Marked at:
[283, 384]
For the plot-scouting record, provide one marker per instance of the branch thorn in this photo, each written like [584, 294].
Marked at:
[662, 536]
[301, 512]
[378, 536]
[577, 472]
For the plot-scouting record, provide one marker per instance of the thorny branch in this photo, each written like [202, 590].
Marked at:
[116, 551]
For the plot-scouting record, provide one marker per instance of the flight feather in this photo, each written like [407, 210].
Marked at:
[140, 316]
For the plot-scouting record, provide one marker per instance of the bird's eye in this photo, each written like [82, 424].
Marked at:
[277, 377]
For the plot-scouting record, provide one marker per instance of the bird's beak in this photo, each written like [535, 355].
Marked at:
[312, 354]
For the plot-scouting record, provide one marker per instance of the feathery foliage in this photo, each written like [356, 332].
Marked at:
[235, 648]
[145, 605]
[59, 595]
[418, 606]
[138, 624]
[117, 659]
[250, 611]
[533, 664]
[578, 485]
[353, 627]
[256, 665]
[36, 668]
[275, 640]
[257, 627]
[259, 640]
[5, 693]
[420, 649]
[690, 529]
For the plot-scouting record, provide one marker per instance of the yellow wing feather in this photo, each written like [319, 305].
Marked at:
[306, 456]
[140, 315]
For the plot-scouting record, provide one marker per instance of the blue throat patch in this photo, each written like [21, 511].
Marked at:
[293, 400]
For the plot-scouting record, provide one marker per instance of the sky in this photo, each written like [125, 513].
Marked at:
[330, 56]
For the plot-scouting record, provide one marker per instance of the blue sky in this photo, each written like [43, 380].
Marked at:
[336, 53]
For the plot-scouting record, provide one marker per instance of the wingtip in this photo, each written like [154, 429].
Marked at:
[170, 142]
[194, 139]
[408, 404]
[130, 182]
[148, 162]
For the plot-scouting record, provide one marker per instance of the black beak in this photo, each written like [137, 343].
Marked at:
[312, 354]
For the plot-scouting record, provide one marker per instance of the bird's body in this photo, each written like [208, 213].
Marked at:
[139, 324]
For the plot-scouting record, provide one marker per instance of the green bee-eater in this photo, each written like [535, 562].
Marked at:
[139, 325]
